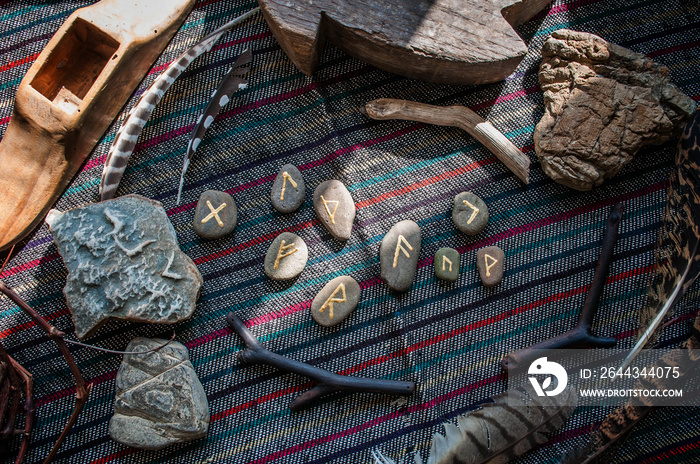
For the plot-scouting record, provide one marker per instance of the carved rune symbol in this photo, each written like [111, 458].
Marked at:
[476, 211]
[399, 247]
[488, 257]
[325, 204]
[282, 253]
[285, 176]
[214, 214]
[331, 299]
[444, 258]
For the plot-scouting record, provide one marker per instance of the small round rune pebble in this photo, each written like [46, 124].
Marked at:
[470, 214]
[335, 208]
[489, 261]
[447, 264]
[215, 215]
[398, 255]
[335, 301]
[288, 189]
[286, 257]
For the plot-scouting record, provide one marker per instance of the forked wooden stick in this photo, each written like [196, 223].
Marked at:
[455, 116]
[328, 382]
[82, 390]
[582, 335]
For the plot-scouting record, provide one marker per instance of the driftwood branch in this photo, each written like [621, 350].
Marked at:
[580, 336]
[455, 116]
[328, 382]
[82, 391]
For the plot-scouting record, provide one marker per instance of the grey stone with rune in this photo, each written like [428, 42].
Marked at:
[489, 262]
[336, 300]
[286, 257]
[288, 189]
[215, 216]
[398, 255]
[470, 214]
[159, 401]
[447, 264]
[123, 261]
[335, 208]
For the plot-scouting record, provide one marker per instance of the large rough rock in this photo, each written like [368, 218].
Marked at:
[123, 261]
[603, 103]
[159, 400]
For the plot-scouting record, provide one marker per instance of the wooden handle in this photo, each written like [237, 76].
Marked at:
[456, 116]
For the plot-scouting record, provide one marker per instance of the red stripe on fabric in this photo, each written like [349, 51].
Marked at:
[662, 456]
[506, 97]
[28, 265]
[19, 62]
[424, 183]
[30, 324]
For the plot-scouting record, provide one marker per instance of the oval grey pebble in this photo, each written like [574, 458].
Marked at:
[489, 262]
[336, 300]
[398, 255]
[447, 264]
[470, 214]
[286, 257]
[288, 189]
[335, 208]
[215, 216]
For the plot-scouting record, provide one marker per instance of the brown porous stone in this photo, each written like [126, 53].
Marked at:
[603, 103]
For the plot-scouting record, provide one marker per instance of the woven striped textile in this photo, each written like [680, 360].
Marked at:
[447, 338]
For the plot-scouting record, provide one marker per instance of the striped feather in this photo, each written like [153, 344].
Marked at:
[679, 241]
[230, 84]
[515, 423]
[125, 141]
[607, 439]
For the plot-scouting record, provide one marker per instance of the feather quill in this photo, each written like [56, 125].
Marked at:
[125, 141]
[231, 83]
[679, 241]
[619, 425]
[501, 431]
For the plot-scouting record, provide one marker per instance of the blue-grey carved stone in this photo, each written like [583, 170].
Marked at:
[287, 197]
[286, 257]
[335, 208]
[159, 399]
[215, 216]
[336, 300]
[398, 255]
[470, 214]
[489, 262]
[447, 264]
[123, 261]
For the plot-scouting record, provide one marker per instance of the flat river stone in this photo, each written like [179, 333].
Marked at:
[335, 208]
[288, 189]
[123, 261]
[470, 214]
[447, 264]
[336, 300]
[286, 257]
[489, 262]
[159, 399]
[398, 255]
[216, 214]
